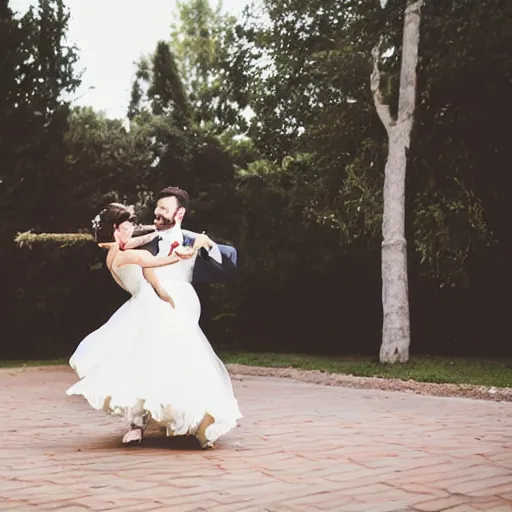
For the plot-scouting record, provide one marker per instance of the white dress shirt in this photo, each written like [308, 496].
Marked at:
[169, 236]
[175, 234]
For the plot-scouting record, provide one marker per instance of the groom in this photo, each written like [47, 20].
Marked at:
[215, 263]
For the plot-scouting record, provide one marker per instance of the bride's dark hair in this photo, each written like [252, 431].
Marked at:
[105, 223]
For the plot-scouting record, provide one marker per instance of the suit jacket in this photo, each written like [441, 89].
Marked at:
[206, 269]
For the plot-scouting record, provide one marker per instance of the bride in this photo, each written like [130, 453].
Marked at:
[151, 361]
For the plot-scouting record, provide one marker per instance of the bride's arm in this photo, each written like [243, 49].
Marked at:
[137, 241]
[150, 276]
[146, 260]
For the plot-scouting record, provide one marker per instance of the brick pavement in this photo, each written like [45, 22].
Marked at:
[300, 447]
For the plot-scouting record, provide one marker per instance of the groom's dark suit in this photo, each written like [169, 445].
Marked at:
[206, 269]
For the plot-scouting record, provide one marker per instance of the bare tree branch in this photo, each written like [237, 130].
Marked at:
[382, 109]
[408, 76]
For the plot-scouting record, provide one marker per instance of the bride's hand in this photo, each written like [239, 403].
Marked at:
[165, 297]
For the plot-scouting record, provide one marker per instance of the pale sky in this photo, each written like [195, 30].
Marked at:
[111, 35]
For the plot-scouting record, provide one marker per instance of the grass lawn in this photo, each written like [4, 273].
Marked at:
[485, 372]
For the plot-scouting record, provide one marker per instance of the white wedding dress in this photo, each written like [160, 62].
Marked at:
[150, 361]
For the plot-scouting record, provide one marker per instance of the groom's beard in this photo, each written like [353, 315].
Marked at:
[163, 223]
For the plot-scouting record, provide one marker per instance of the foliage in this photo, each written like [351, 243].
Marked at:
[36, 74]
[297, 187]
[186, 77]
[104, 162]
[313, 97]
[28, 239]
[37, 70]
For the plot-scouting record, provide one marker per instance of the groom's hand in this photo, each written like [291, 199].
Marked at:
[203, 240]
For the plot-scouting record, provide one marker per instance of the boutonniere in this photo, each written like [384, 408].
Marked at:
[173, 246]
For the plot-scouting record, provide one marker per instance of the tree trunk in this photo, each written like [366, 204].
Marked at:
[395, 294]
[396, 334]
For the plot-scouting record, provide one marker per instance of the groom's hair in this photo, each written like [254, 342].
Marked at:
[180, 195]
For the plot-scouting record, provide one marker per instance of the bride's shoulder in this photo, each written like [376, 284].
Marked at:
[117, 261]
[109, 260]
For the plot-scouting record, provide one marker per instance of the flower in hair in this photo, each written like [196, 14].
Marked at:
[96, 222]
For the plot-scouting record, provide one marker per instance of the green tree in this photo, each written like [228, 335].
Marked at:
[305, 72]
[37, 71]
[104, 162]
[188, 76]
[304, 67]
[181, 98]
